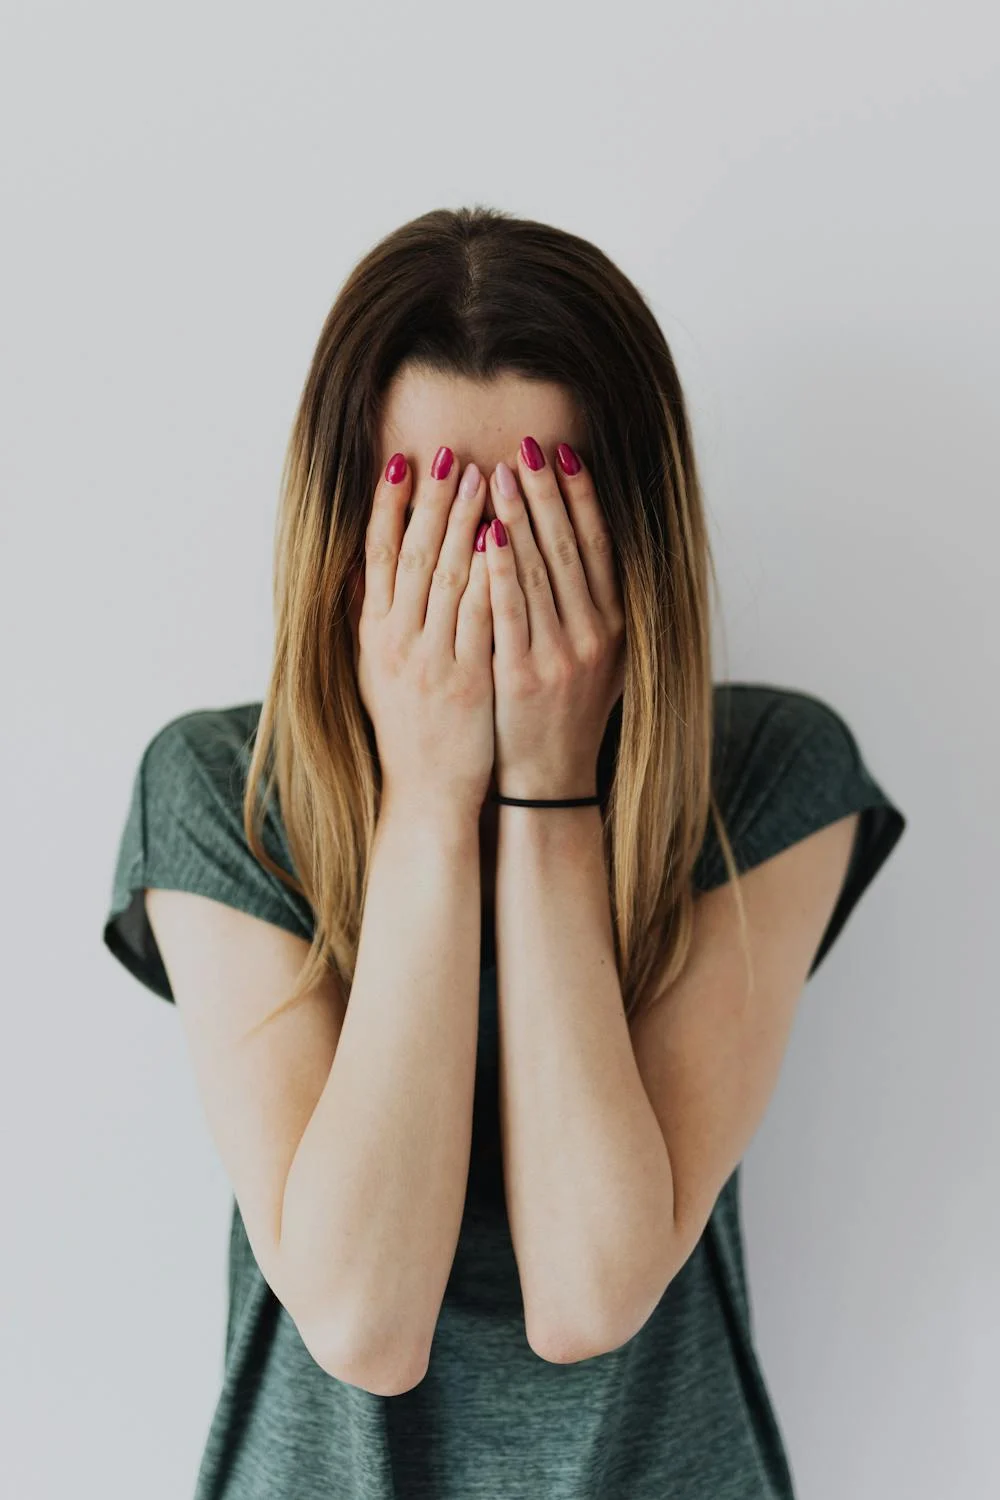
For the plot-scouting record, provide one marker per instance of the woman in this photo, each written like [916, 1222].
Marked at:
[485, 1232]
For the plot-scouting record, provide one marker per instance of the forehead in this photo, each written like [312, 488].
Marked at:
[480, 420]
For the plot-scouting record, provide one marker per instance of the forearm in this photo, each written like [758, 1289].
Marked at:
[374, 1197]
[586, 1172]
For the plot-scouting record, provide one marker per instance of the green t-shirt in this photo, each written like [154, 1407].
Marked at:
[682, 1409]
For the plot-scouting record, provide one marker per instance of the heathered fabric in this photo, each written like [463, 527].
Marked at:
[680, 1412]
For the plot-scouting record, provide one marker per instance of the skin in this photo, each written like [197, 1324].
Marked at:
[483, 422]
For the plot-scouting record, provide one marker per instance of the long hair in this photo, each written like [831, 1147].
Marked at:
[476, 292]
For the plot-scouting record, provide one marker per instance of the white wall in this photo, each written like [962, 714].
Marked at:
[807, 194]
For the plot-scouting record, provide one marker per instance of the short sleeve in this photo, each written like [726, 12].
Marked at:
[786, 764]
[184, 831]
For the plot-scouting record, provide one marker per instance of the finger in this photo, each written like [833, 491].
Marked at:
[528, 562]
[555, 538]
[451, 572]
[384, 536]
[474, 632]
[422, 539]
[593, 534]
[511, 630]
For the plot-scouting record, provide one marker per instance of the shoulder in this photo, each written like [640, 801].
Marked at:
[750, 716]
[763, 731]
[184, 830]
[786, 763]
[217, 736]
[201, 755]
[194, 772]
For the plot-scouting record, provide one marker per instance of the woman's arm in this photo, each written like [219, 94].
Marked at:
[585, 1165]
[373, 1203]
[346, 1132]
[618, 1137]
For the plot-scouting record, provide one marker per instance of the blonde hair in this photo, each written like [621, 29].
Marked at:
[478, 293]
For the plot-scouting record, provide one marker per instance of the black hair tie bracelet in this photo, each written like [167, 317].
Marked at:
[541, 802]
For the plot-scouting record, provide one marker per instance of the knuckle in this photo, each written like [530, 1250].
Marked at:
[377, 549]
[535, 577]
[412, 556]
[559, 669]
[508, 608]
[599, 542]
[393, 654]
[566, 551]
[590, 649]
[523, 683]
[447, 578]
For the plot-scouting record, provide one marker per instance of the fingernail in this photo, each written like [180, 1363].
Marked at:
[470, 483]
[481, 537]
[499, 532]
[532, 454]
[395, 469]
[568, 461]
[506, 483]
[441, 467]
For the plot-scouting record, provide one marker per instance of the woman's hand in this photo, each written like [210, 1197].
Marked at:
[558, 626]
[424, 637]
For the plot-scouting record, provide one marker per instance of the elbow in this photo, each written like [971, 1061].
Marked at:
[569, 1348]
[379, 1379]
[560, 1343]
[369, 1351]
[605, 1331]
[388, 1371]
[575, 1319]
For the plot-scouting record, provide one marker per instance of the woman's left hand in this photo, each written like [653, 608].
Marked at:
[558, 626]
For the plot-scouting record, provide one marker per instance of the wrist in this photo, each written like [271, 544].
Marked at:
[533, 787]
[528, 803]
[452, 821]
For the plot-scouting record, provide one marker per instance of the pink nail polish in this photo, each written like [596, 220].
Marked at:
[506, 482]
[532, 454]
[568, 461]
[441, 467]
[499, 532]
[481, 537]
[395, 469]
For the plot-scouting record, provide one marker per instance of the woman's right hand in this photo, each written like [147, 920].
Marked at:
[425, 637]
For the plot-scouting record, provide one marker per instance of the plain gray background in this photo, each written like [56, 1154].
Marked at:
[807, 194]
